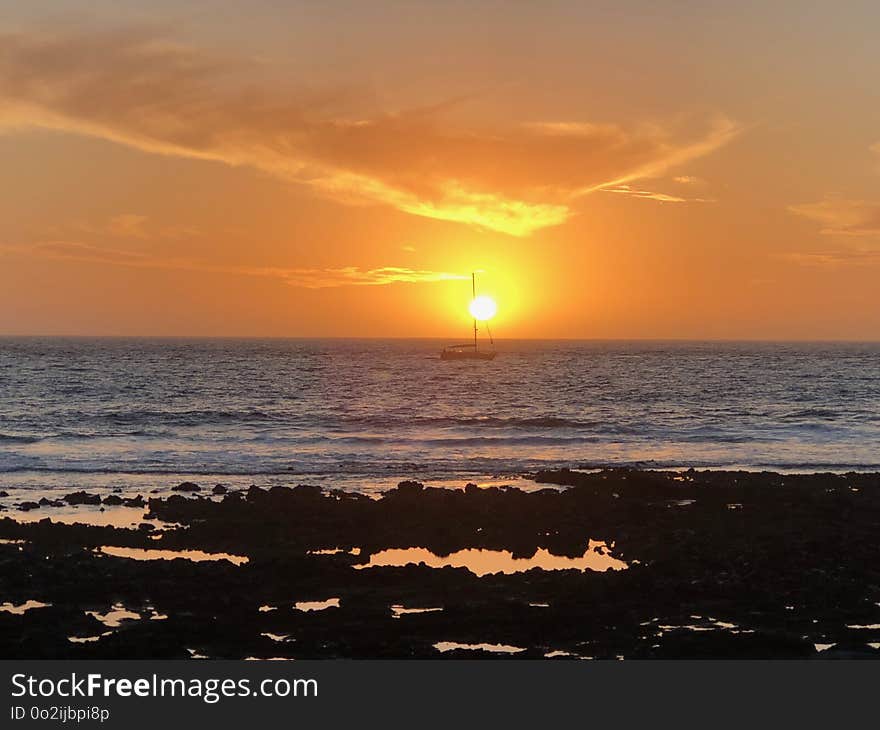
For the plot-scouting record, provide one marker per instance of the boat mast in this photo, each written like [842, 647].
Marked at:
[474, 292]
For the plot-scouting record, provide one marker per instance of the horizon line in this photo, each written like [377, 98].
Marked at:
[437, 338]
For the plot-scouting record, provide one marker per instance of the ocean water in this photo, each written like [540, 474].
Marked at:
[363, 414]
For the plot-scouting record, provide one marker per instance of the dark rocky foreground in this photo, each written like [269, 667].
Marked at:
[756, 565]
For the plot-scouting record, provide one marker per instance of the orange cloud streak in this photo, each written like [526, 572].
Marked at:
[138, 89]
[300, 277]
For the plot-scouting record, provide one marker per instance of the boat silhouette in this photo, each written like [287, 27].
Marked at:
[470, 350]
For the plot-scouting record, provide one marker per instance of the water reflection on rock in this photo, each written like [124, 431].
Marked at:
[397, 610]
[487, 562]
[444, 646]
[22, 607]
[196, 556]
[316, 605]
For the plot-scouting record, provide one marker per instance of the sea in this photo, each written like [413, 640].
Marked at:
[143, 414]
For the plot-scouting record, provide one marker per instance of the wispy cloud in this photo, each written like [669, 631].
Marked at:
[127, 225]
[842, 217]
[833, 258]
[138, 89]
[645, 194]
[855, 224]
[123, 226]
[307, 278]
[353, 276]
[79, 251]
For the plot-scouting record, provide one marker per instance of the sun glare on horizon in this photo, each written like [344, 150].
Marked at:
[483, 308]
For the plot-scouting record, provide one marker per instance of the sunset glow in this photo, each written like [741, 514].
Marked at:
[325, 193]
[421, 330]
[483, 308]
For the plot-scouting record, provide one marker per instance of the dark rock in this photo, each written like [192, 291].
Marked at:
[4, 493]
[82, 498]
[44, 502]
[187, 487]
[146, 527]
[113, 500]
[28, 506]
[219, 489]
[724, 645]
[134, 501]
[776, 575]
[410, 487]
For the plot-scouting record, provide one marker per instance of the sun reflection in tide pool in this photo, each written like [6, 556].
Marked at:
[316, 605]
[486, 562]
[444, 646]
[197, 556]
[22, 607]
[114, 617]
[397, 610]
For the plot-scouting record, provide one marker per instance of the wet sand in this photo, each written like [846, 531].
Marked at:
[610, 564]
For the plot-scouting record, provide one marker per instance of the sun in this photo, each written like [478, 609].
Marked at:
[483, 308]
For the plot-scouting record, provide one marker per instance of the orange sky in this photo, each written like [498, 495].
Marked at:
[614, 170]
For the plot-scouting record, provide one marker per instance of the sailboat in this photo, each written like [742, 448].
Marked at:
[470, 351]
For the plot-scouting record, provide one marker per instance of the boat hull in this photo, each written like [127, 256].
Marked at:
[467, 355]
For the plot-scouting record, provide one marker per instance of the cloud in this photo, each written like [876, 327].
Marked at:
[79, 251]
[833, 258]
[649, 194]
[122, 226]
[842, 217]
[352, 275]
[854, 223]
[298, 277]
[127, 225]
[136, 88]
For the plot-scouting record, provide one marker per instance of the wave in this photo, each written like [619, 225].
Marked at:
[18, 438]
[467, 441]
[160, 422]
[385, 421]
[447, 468]
[816, 467]
[189, 417]
[203, 417]
[160, 471]
[822, 413]
[77, 436]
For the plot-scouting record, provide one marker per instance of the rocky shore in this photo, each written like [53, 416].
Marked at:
[617, 563]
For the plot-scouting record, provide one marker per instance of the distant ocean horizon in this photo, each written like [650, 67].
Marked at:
[444, 340]
[364, 413]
